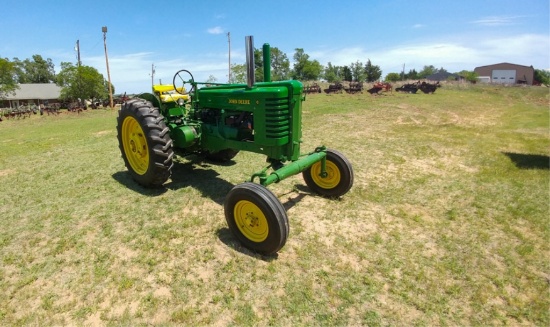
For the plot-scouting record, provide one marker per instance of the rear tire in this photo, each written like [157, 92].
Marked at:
[339, 177]
[144, 143]
[257, 218]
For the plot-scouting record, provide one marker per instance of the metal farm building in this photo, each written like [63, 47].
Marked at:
[506, 73]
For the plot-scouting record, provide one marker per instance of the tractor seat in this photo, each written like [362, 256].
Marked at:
[162, 88]
[167, 93]
[173, 97]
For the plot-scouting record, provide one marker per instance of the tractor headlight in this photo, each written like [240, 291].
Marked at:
[181, 102]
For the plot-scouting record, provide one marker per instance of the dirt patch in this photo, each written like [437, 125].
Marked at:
[103, 133]
[6, 172]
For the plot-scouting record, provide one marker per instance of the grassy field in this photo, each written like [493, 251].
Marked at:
[447, 222]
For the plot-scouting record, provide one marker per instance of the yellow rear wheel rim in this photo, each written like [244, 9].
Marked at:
[332, 179]
[251, 221]
[135, 145]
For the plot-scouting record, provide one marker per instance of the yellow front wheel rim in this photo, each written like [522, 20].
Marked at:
[251, 221]
[135, 145]
[332, 179]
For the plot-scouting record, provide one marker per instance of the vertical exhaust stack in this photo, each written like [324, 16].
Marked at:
[267, 62]
[249, 48]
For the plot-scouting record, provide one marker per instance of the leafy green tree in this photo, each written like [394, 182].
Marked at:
[393, 77]
[470, 76]
[280, 65]
[333, 74]
[346, 72]
[542, 76]
[258, 65]
[36, 70]
[82, 82]
[372, 72]
[427, 71]
[300, 61]
[305, 69]
[238, 73]
[412, 74]
[8, 83]
[358, 71]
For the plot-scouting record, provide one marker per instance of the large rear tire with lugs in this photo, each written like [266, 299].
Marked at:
[256, 218]
[145, 143]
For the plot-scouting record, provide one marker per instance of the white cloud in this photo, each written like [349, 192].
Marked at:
[496, 20]
[132, 72]
[525, 49]
[129, 73]
[215, 30]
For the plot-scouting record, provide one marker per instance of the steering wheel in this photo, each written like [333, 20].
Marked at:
[179, 80]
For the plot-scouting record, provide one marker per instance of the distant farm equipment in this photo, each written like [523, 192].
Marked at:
[315, 88]
[380, 86]
[426, 88]
[408, 88]
[387, 87]
[334, 88]
[21, 112]
[354, 87]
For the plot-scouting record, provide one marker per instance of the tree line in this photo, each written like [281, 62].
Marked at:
[85, 82]
[305, 69]
[76, 81]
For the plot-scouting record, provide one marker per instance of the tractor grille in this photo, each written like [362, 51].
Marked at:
[277, 118]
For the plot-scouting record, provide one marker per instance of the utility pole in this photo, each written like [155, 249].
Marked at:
[229, 42]
[77, 48]
[78, 63]
[104, 30]
[152, 74]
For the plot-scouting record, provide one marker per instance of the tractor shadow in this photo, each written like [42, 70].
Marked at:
[196, 173]
[227, 238]
[529, 161]
[202, 176]
[124, 178]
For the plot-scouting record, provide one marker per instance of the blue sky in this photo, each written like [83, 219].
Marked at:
[192, 35]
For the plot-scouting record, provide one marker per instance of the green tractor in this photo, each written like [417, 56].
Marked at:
[219, 120]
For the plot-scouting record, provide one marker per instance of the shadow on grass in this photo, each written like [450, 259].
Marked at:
[197, 174]
[201, 176]
[124, 178]
[529, 161]
[227, 238]
[293, 198]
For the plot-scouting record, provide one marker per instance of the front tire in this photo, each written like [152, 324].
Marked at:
[144, 143]
[257, 218]
[338, 180]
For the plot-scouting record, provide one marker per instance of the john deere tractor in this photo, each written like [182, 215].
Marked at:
[218, 121]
